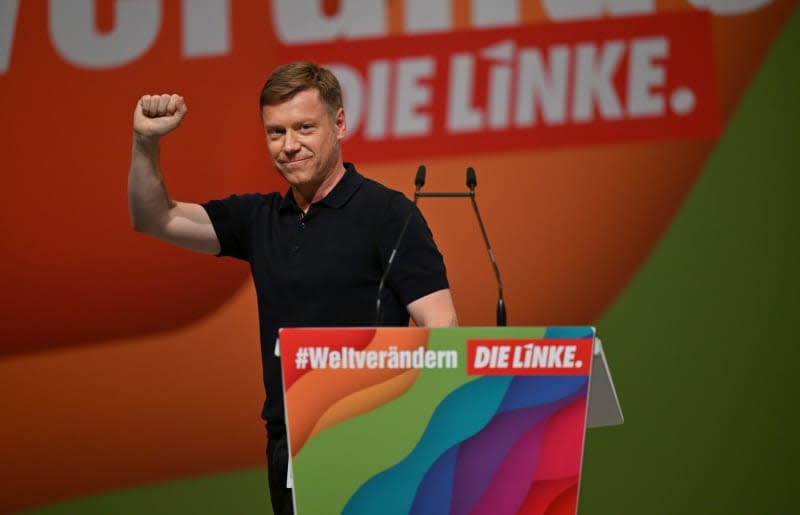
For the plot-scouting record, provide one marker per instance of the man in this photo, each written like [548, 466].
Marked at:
[317, 253]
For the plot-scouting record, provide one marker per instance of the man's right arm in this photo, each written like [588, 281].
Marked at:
[152, 211]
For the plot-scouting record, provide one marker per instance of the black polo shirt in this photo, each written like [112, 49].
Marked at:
[322, 269]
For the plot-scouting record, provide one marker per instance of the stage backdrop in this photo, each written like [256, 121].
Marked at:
[635, 164]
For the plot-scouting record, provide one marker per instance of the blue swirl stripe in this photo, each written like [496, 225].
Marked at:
[461, 414]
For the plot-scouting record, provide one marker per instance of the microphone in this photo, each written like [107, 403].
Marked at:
[472, 181]
[419, 182]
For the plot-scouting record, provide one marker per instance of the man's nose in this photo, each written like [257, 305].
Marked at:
[291, 143]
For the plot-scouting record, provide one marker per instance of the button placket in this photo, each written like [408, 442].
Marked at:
[299, 240]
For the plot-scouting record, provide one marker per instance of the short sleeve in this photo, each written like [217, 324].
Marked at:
[232, 218]
[418, 268]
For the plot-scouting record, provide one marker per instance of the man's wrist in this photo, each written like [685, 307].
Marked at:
[145, 141]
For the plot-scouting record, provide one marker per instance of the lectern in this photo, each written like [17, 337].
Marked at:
[442, 421]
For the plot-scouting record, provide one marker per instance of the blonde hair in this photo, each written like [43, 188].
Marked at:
[290, 79]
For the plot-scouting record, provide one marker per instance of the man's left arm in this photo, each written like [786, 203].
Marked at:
[434, 310]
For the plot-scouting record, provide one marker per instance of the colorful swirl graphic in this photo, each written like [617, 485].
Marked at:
[490, 447]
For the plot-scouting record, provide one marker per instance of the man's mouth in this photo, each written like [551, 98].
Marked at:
[295, 162]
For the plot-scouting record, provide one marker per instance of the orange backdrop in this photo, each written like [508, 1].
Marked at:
[125, 361]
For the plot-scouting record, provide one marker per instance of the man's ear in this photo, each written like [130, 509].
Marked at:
[341, 123]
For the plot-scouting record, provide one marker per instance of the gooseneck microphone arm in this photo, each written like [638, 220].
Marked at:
[419, 182]
[472, 181]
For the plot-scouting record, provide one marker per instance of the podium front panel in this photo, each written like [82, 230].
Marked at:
[445, 421]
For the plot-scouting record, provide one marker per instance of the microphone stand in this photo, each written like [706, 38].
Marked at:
[471, 183]
[501, 305]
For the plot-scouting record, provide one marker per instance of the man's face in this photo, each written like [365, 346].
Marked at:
[303, 139]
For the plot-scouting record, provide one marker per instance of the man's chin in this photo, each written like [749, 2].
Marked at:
[291, 176]
[297, 180]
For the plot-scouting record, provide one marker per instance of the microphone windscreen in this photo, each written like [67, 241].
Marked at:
[419, 181]
[472, 181]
